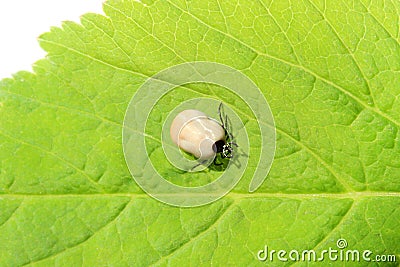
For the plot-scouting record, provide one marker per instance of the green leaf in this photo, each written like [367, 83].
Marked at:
[330, 71]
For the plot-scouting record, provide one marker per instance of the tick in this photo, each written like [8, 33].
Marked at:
[203, 137]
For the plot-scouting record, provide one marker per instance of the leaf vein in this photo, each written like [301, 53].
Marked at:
[202, 233]
[13, 212]
[118, 215]
[53, 155]
[348, 51]
[345, 216]
[305, 69]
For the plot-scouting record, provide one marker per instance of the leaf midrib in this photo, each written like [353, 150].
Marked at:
[232, 195]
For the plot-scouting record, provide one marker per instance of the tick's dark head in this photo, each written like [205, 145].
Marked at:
[224, 148]
[218, 146]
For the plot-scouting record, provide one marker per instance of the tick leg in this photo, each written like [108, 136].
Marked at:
[215, 162]
[220, 116]
[225, 122]
[198, 164]
[233, 143]
[228, 129]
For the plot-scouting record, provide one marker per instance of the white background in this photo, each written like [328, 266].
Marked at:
[22, 21]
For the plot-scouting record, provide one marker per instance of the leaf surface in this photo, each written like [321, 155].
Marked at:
[330, 71]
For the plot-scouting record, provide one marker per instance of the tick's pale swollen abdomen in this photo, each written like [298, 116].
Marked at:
[194, 132]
